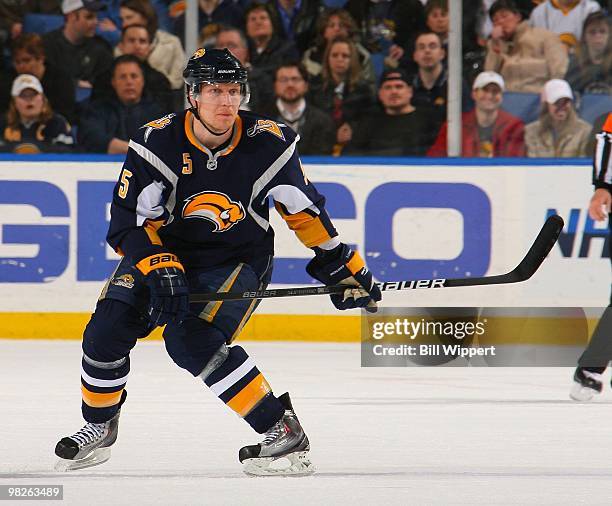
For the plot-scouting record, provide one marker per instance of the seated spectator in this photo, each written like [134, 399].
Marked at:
[598, 124]
[559, 132]
[266, 49]
[339, 91]
[12, 14]
[75, 48]
[437, 20]
[487, 131]
[590, 69]
[316, 129]
[388, 27]
[108, 124]
[431, 81]
[526, 57]
[297, 20]
[136, 40]
[226, 12]
[166, 54]
[337, 23]
[398, 129]
[30, 125]
[563, 17]
[260, 82]
[28, 56]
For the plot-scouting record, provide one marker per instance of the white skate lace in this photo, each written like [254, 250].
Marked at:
[593, 375]
[89, 434]
[273, 434]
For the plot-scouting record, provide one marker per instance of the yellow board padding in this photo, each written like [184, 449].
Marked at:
[261, 327]
[281, 327]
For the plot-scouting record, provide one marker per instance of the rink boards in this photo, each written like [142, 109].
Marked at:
[414, 219]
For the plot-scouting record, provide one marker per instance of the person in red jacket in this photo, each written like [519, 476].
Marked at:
[487, 131]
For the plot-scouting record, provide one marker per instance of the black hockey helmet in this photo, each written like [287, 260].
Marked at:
[214, 66]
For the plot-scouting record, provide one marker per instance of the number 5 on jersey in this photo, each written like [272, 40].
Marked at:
[125, 183]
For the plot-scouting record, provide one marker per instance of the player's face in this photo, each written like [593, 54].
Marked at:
[428, 51]
[136, 42]
[259, 24]
[128, 82]
[596, 36]
[290, 85]
[85, 22]
[29, 104]
[233, 42]
[334, 28]
[218, 104]
[559, 111]
[488, 98]
[130, 17]
[437, 21]
[507, 21]
[395, 94]
[340, 58]
[26, 63]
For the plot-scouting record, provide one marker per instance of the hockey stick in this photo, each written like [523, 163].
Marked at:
[540, 248]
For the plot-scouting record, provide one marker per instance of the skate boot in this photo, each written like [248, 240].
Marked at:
[586, 384]
[88, 447]
[284, 450]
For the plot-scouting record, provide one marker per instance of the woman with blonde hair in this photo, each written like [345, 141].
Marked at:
[340, 89]
[30, 125]
[590, 69]
[337, 23]
[559, 132]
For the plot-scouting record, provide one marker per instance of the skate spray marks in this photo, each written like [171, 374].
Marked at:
[399, 337]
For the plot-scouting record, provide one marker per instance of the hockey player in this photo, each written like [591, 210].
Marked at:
[593, 362]
[190, 213]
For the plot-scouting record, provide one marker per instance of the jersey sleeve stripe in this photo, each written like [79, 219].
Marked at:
[264, 179]
[156, 162]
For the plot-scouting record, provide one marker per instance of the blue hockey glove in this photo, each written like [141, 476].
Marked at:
[165, 277]
[342, 265]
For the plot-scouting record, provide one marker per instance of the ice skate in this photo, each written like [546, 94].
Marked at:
[88, 447]
[284, 450]
[586, 385]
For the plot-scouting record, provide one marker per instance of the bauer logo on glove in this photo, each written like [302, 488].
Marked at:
[344, 266]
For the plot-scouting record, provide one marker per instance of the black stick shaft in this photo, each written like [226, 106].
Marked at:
[544, 242]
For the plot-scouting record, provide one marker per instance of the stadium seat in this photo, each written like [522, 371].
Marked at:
[523, 105]
[82, 94]
[591, 106]
[334, 4]
[41, 23]
[378, 62]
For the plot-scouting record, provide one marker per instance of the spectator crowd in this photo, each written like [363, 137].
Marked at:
[353, 78]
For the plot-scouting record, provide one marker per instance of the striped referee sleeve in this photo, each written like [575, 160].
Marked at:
[602, 161]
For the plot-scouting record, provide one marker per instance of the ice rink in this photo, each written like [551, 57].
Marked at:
[409, 436]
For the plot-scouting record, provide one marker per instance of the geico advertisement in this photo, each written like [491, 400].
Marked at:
[412, 222]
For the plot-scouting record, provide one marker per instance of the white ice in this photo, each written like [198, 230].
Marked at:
[473, 436]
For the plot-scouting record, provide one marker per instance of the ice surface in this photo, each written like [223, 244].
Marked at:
[421, 436]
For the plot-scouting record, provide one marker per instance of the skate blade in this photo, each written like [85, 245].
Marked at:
[294, 464]
[581, 393]
[98, 456]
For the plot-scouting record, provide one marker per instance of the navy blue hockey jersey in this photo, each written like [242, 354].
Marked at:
[211, 208]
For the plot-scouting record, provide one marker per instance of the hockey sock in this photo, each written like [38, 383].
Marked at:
[240, 385]
[103, 388]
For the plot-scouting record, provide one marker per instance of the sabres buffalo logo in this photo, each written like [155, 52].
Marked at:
[157, 124]
[216, 207]
[199, 53]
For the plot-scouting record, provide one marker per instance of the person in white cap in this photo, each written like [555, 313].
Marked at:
[74, 47]
[30, 125]
[487, 131]
[559, 132]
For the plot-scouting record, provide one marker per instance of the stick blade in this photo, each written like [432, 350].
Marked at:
[540, 248]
